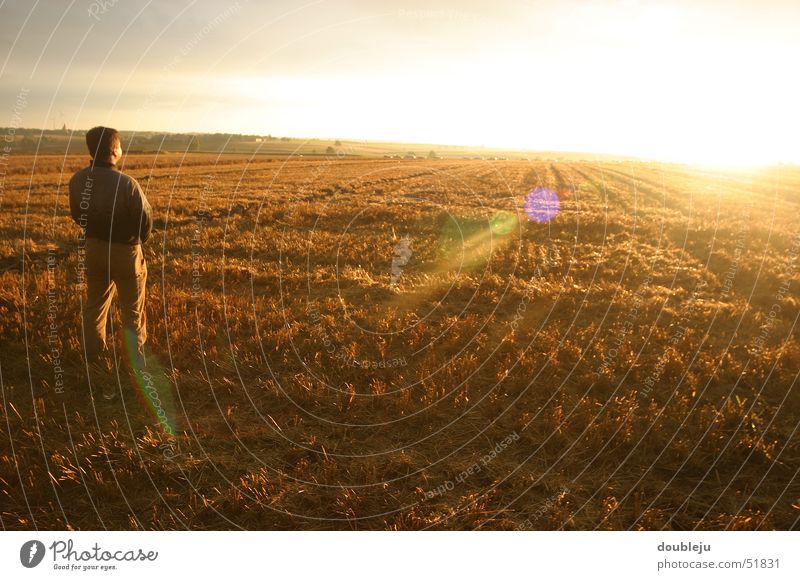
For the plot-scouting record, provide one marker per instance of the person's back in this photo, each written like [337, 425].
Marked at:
[116, 219]
[109, 205]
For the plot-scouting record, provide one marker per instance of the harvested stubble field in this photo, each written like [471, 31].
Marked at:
[384, 344]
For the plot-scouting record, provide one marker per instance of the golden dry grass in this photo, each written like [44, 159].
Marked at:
[624, 351]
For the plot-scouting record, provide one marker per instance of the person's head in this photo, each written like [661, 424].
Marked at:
[104, 144]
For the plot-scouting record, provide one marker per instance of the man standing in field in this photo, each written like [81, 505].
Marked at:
[116, 219]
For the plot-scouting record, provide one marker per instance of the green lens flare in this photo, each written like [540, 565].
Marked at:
[503, 223]
[153, 387]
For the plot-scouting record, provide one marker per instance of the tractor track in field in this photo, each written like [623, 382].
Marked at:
[608, 194]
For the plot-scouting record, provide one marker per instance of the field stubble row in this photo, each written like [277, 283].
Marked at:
[629, 344]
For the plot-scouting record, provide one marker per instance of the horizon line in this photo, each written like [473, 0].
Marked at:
[610, 155]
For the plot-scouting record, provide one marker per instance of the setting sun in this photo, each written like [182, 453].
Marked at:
[673, 81]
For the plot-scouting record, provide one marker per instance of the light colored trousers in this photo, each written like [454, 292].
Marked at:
[114, 267]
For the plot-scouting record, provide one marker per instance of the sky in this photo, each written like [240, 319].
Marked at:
[712, 81]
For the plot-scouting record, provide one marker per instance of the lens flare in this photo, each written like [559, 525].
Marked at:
[153, 386]
[503, 223]
[542, 204]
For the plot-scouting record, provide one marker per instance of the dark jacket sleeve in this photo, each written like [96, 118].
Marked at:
[141, 212]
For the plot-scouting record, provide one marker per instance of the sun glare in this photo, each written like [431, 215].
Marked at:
[623, 78]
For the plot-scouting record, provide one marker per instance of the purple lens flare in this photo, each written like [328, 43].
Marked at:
[542, 204]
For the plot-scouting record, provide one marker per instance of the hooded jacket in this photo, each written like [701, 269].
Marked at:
[110, 205]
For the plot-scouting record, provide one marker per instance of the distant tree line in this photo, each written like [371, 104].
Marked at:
[65, 141]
